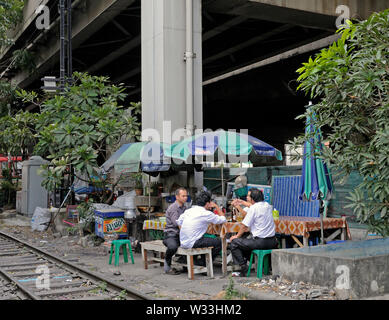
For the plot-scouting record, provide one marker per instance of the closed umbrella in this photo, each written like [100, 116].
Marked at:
[316, 179]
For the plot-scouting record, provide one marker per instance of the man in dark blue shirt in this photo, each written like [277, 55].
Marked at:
[172, 232]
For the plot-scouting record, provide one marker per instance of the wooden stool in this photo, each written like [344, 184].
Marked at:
[158, 246]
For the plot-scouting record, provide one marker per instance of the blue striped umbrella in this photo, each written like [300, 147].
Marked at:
[316, 179]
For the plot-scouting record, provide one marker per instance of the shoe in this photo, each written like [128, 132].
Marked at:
[173, 272]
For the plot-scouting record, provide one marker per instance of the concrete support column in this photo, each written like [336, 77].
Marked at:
[164, 68]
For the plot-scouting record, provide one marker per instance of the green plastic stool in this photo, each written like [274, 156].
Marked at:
[118, 244]
[212, 236]
[263, 260]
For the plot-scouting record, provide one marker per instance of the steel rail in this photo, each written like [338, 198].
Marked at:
[21, 287]
[136, 295]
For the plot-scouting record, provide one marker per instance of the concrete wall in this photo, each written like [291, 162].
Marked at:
[164, 68]
[351, 276]
[85, 23]
[359, 8]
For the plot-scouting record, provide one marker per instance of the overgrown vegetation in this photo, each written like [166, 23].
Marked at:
[11, 13]
[8, 188]
[232, 293]
[75, 131]
[86, 214]
[350, 83]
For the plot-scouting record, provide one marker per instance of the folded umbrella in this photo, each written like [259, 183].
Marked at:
[316, 181]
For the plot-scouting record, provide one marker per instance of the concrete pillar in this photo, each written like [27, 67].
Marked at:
[164, 69]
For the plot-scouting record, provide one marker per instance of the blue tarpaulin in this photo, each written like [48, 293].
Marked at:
[285, 195]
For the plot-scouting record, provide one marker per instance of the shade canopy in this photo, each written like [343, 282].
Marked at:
[239, 147]
[139, 156]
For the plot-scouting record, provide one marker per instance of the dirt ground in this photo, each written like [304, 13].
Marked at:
[93, 254]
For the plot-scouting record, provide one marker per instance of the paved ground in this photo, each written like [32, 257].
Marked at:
[154, 282]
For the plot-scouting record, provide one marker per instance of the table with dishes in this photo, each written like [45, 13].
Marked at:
[289, 226]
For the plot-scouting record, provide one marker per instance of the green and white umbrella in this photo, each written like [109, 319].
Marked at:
[238, 147]
[148, 157]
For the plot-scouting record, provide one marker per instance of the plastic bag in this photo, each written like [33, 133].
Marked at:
[40, 219]
[126, 201]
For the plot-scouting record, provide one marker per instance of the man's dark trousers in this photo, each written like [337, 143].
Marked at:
[204, 242]
[172, 242]
[241, 248]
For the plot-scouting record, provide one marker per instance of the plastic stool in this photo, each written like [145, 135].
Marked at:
[212, 236]
[118, 244]
[263, 259]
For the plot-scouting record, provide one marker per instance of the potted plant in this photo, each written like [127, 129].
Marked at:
[138, 184]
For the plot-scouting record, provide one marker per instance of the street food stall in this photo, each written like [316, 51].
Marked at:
[137, 163]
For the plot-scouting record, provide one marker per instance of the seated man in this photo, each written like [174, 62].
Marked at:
[259, 220]
[171, 233]
[194, 224]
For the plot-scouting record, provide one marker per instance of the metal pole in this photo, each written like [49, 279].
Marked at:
[321, 210]
[62, 45]
[189, 56]
[69, 71]
[69, 30]
[149, 196]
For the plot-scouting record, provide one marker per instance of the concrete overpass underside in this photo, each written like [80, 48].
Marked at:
[266, 41]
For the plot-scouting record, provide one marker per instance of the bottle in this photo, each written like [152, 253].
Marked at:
[234, 215]
[276, 214]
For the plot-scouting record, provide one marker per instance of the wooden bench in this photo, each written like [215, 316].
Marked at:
[158, 246]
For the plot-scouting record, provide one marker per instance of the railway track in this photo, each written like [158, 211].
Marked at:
[30, 273]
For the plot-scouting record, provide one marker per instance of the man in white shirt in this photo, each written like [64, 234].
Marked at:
[194, 224]
[259, 221]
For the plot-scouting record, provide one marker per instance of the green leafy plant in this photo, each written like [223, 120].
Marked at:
[231, 292]
[72, 230]
[17, 134]
[76, 129]
[24, 60]
[8, 187]
[101, 288]
[138, 180]
[86, 212]
[349, 82]
[122, 295]
[11, 13]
